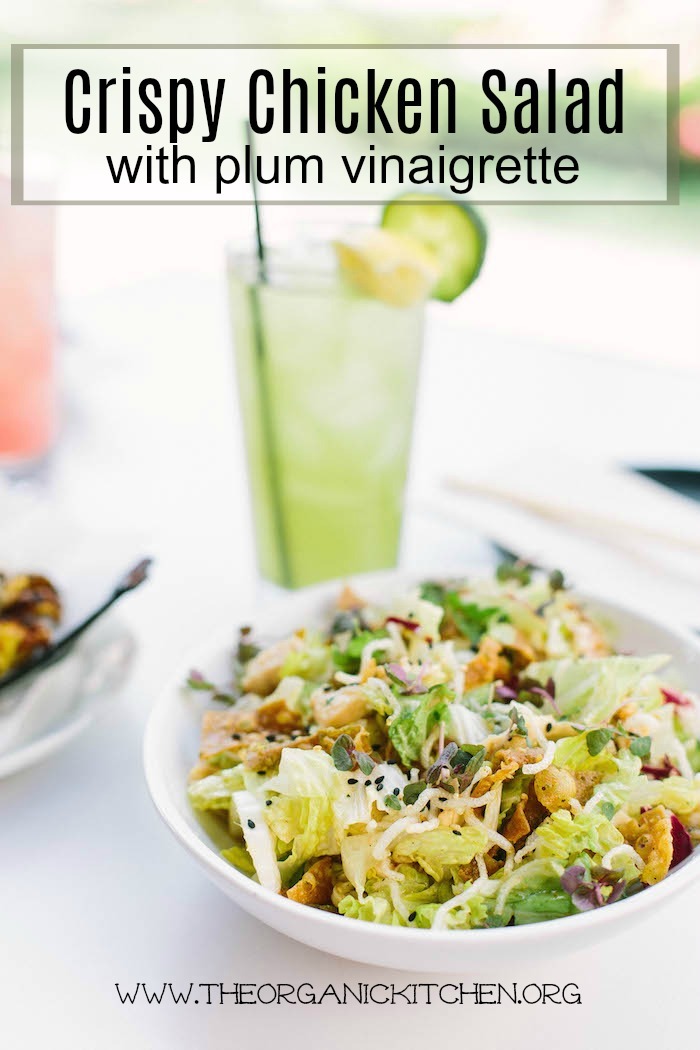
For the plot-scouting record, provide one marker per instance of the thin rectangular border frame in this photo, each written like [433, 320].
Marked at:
[17, 114]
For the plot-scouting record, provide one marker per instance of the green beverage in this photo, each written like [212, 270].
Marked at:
[327, 381]
[328, 343]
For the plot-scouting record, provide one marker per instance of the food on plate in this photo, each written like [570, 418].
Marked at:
[29, 607]
[473, 754]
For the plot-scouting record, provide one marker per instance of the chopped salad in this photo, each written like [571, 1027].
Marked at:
[475, 754]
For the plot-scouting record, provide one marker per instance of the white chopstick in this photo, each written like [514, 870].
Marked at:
[586, 521]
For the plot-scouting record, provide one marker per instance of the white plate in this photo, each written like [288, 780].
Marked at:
[46, 710]
[171, 747]
[42, 713]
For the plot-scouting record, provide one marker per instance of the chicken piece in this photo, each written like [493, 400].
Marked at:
[200, 771]
[517, 825]
[357, 730]
[18, 640]
[261, 754]
[535, 812]
[588, 638]
[555, 788]
[626, 711]
[586, 782]
[508, 761]
[371, 670]
[275, 716]
[339, 708]
[226, 732]
[315, 887]
[341, 889]
[27, 595]
[493, 865]
[625, 824]
[470, 872]
[521, 652]
[653, 841]
[263, 673]
[487, 666]
[518, 752]
[505, 772]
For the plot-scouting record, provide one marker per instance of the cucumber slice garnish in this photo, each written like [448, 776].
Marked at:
[450, 229]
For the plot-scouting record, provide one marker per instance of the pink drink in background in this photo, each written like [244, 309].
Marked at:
[27, 380]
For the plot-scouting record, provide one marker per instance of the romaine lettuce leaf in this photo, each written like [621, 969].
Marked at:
[439, 850]
[369, 909]
[427, 614]
[591, 690]
[301, 816]
[305, 774]
[239, 856]
[562, 835]
[348, 659]
[421, 897]
[572, 753]
[304, 828]
[357, 860]
[214, 792]
[616, 788]
[409, 729]
[311, 662]
[678, 794]
[470, 915]
[464, 726]
[353, 806]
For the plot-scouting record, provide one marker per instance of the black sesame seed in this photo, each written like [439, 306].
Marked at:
[442, 798]
[261, 772]
[271, 737]
[235, 736]
[368, 783]
[268, 802]
[379, 781]
[412, 916]
[352, 780]
[392, 762]
[455, 832]
[251, 824]
[397, 791]
[549, 727]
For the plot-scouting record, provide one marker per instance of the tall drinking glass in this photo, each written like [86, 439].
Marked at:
[27, 333]
[327, 382]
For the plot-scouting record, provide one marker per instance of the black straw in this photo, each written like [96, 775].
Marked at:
[256, 205]
[261, 356]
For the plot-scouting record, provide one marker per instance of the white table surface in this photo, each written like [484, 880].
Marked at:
[94, 890]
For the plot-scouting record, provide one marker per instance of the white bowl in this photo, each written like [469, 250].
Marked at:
[171, 747]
